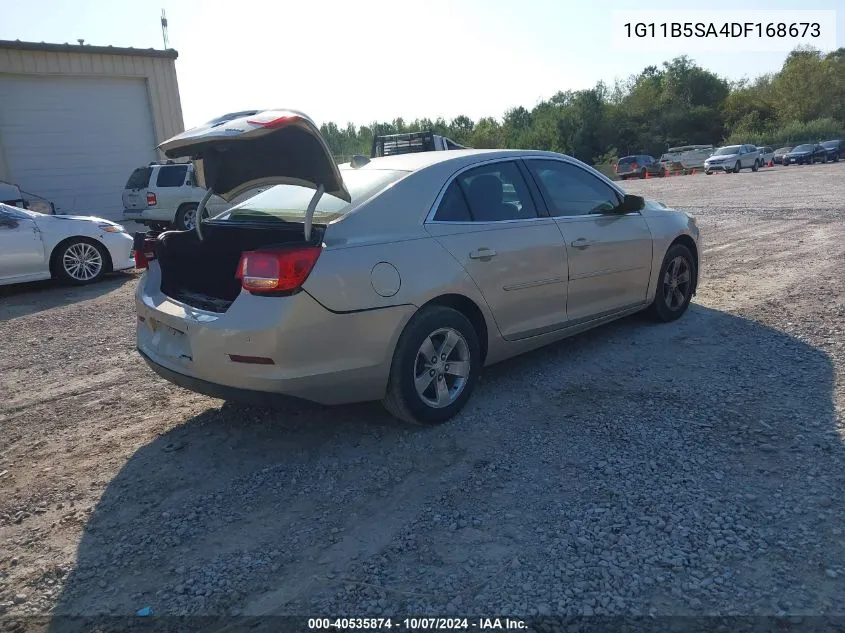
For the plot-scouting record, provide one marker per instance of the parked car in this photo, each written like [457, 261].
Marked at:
[394, 278]
[832, 150]
[733, 158]
[806, 154]
[779, 154]
[767, 155]
[165, 194]
[74, 249]
[638, 166]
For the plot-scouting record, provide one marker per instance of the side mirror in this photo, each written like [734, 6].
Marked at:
[630, 203]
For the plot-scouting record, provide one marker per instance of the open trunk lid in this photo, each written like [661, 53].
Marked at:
[245, 150]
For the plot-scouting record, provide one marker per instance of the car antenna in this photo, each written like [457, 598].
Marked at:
[312, 207]
[358, 160]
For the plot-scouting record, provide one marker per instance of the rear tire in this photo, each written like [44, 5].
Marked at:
[675, 285]
[186, 216]
[424, 387]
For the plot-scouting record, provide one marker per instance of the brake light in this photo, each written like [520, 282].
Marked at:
[146, 253]
[276, 121]
[151, 199]
[276, 270]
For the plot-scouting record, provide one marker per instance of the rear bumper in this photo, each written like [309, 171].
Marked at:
[149, 215]
[318, 355]
[213, 390]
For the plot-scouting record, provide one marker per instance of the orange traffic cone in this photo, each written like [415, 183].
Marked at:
[771, 164]
[647, 175]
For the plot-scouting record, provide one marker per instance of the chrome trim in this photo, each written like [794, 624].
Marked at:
[533, 284]
[429, 218]
[608, 271]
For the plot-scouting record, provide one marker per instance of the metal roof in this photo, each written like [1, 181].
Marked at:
[18, 45]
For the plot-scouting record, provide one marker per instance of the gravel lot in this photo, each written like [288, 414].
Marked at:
[690, 468]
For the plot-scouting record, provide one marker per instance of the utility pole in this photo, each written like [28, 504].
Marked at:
[164, 30]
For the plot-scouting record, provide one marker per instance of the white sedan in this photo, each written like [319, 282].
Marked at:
[74, 249]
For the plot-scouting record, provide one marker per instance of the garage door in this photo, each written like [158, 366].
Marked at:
[75, 140]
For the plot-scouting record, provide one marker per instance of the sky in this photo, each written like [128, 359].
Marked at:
[374, 60]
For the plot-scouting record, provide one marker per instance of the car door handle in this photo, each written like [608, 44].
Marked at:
[582, 242]
[482, 253]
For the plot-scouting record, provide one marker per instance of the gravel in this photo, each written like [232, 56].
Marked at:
[639, 469]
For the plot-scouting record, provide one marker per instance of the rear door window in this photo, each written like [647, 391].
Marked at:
[497, 192]
[171, 176]
[140, 178]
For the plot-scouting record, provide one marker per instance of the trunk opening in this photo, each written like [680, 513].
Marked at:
[202, 274]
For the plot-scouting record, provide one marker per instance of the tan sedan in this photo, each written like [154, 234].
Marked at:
[397, 278]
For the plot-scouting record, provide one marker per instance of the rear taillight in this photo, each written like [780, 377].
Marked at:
[635, 166]
[151, 199]
[276, 270]
[145, 253]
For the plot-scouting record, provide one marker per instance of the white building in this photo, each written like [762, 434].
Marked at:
[75, 120]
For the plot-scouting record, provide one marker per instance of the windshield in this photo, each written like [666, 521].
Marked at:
[287, 203]
[803, 148]
[27, 213]
[727, 151]
[783, 150]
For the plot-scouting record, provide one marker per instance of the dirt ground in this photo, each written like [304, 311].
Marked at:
[621, 471]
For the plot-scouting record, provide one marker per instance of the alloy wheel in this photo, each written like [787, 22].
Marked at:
[676, 283]
[82, 261]
[442, 367]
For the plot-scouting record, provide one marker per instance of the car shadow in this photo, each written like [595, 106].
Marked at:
[250, 510]
[17, 300]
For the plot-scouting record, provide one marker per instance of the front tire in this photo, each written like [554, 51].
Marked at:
[675, 284]
[435, 367]
[80, 261]
[756, 166]
[737, 167]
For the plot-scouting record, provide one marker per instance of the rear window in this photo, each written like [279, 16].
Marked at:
[171, 176]
[289, 202]
[627, 160]
[140, 178]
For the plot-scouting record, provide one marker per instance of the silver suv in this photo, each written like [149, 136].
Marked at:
[164, 194]
[733, 158]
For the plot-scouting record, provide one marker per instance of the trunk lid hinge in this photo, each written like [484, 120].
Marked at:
[312, 207]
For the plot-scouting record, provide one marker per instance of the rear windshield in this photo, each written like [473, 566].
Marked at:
[626, 160]
[803, 148]
[139, 179]
[783, 149]
[287, 203]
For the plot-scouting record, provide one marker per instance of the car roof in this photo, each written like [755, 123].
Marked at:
[419, 160]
